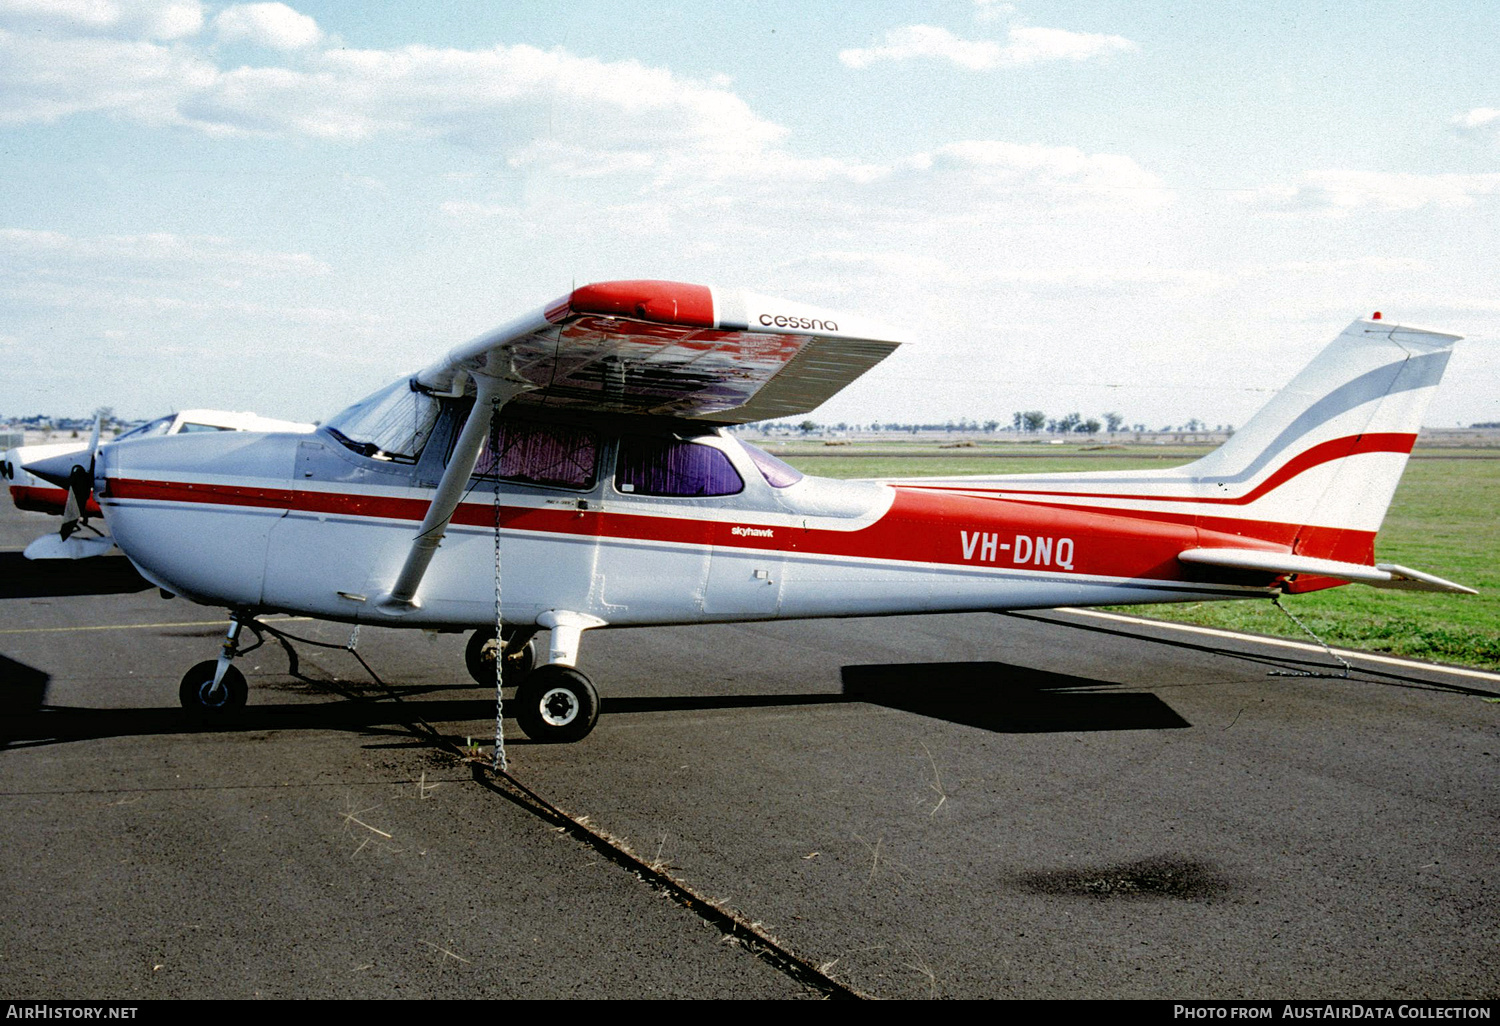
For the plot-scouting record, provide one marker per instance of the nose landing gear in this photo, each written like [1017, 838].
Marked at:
[214, 687]
[199, 693]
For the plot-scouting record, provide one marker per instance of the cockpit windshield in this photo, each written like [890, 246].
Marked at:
[158, 426]
[391, 424]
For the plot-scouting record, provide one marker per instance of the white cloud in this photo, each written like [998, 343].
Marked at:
[149, 19]
[1026, 46]
[1059, 173]
[491, 98]
[1338, 191]
[1479, 121]
[992, 10]
[881, 264]
[1034, 45]
[153, 248]
[44, 78]
[274, 25]
[912, 41]
[498, 98]
[468, 210]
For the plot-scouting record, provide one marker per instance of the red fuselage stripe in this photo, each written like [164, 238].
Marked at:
[920, 527]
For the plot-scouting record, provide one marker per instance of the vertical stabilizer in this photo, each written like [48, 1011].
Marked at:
[1328, 451]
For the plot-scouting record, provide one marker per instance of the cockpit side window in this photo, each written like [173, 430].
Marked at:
[392, 424]
[189, 427]
[777, 473]
[556, 455]
[668, 466]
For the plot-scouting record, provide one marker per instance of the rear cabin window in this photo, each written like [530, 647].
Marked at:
[666, 466]
[556, 455]
[777, 473]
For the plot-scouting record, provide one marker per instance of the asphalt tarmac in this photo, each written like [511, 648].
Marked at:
[1043, 805]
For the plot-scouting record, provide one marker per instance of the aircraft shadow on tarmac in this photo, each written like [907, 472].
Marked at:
[1008, 699]
[46, 578]
[991, 696]
[22, 688]
[57, 724]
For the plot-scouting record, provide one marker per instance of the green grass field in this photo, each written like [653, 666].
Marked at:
[1443, 520]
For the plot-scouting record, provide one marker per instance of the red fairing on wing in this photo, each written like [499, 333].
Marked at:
[47, 500]
[668, 302]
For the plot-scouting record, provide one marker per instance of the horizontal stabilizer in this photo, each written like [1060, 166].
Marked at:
[1382, 575]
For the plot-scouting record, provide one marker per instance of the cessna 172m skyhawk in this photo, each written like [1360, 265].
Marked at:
[589, 438]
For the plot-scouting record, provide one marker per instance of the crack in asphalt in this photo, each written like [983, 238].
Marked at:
[731, 924]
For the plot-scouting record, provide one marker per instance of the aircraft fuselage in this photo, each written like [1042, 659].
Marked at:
[311, 524]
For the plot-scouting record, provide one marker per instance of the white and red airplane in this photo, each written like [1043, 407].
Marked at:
[39, 495]
[583, 449]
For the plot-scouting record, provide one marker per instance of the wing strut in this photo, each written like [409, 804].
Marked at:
[491, 392]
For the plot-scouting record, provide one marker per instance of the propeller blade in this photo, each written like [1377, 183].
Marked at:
[80, 487]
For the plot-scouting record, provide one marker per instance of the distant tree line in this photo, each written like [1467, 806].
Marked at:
[1021, 422]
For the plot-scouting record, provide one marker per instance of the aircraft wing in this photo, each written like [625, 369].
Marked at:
[1381, 575]
[671, 349]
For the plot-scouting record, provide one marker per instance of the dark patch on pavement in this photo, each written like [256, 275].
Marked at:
[1008, 699]
[1161, 877]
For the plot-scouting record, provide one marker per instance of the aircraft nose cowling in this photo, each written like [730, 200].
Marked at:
[193, 512]
[58, 470]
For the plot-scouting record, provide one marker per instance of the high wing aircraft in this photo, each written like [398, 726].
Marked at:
[583, 449]
[30, 492]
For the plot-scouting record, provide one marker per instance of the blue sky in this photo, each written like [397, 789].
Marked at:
[1160, 210]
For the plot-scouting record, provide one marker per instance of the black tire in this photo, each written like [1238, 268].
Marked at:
[556, 705]
[197, 695]
[479, 657]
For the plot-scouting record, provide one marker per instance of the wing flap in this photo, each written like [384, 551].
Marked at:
[1382, 575]
[672, 349]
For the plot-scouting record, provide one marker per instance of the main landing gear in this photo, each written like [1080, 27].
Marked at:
[520, 654]
[554, 703]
